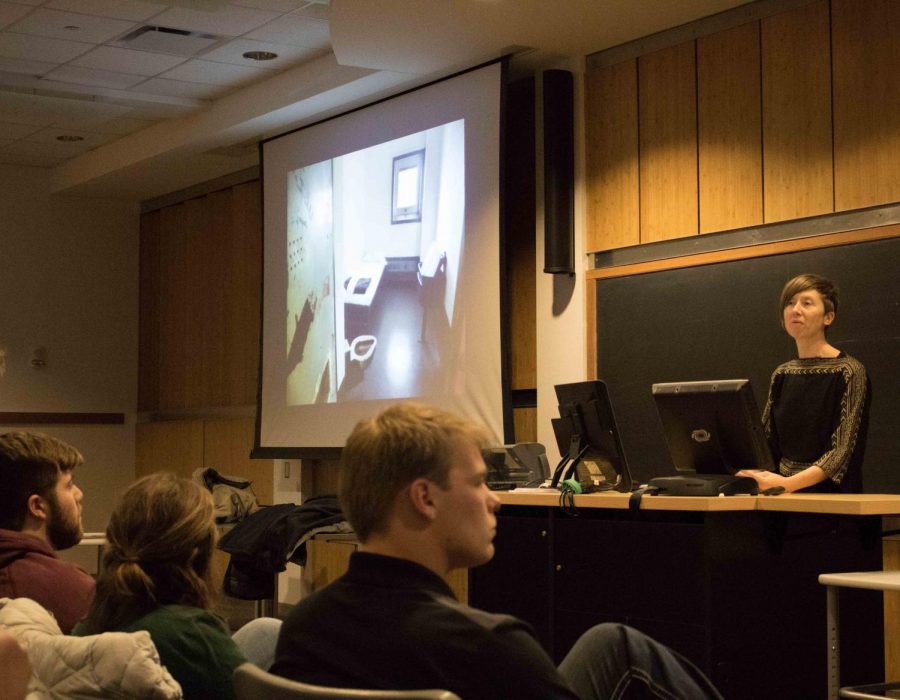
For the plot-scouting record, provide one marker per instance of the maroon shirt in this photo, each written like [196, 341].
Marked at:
[29, 568]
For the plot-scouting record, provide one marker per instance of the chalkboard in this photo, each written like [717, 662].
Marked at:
[722, 321]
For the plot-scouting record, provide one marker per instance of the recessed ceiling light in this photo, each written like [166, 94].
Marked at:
[260, 55]
[69, 138]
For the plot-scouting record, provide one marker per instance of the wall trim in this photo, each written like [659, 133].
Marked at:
[827, 240]
[779, 232]
[66, 418]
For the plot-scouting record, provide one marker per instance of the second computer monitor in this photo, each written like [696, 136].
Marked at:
[712, 427]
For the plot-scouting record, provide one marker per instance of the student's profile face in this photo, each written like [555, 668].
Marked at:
[804, 315]
[64, 526]
[468, 520]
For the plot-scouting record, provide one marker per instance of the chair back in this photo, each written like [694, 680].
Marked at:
[251, 683]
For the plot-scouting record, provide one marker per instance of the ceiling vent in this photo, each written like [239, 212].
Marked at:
[167, 40]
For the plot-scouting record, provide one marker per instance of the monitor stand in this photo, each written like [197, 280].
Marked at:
[704, 485]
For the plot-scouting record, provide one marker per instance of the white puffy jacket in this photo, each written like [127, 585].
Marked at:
[108, 665]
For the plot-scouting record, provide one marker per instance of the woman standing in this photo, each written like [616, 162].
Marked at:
[814, 411]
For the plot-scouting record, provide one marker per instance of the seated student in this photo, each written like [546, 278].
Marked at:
[40, 514]
[816, 404]
[155, 577]
[413, 487]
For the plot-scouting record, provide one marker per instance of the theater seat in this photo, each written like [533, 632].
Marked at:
[252, 683]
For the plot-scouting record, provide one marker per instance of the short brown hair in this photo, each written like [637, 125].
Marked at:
[30, 463]
[391, 450]
[801, 283]
[160, 540]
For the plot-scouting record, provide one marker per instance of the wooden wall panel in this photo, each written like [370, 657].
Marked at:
[866, 60]
[195, 301]
[729, 129]
[215, 239]
[241, 338]
[525, 424]
[611, 147]
[173, 312]
[798, 174]
[174, 446]
[319, 477]
[226, 448]
[667, 92]
[200, 309]
[149, 321]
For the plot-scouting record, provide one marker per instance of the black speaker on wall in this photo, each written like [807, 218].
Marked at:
[559, 172]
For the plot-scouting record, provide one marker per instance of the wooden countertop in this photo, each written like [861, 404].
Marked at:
[839, 504]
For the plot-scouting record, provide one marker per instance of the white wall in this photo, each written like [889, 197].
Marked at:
[69, 283]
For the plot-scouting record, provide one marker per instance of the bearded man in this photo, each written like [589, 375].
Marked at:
[40, 514]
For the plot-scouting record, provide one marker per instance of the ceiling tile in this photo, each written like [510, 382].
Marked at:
[37, 48]
[21, 108]
[25, 67]
[177, 88]
[230, 21]
[127, 61]
[134, 10]
[56, 149]
[10, 13]
[50, 134]
[213, 73]
[296, 31]
[233, 52]
[316, 9]
[93, 77]
[52, 23]
[32, 159]
[273, 5]
[119, 126]
[17, 131]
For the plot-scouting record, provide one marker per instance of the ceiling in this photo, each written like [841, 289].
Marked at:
[132, 99]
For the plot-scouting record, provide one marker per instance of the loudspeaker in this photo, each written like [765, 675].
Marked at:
[559, 172]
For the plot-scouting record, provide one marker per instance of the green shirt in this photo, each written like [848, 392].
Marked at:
[196, 648]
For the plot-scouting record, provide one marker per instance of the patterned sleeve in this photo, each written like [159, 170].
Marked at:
[835, 461]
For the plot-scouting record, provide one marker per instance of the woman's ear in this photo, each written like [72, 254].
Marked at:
[828, 318]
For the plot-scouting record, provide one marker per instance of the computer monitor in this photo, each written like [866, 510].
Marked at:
[712, 427]
[586, 434]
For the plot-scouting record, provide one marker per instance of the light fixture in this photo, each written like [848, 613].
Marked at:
[69, 138]
[260, 55]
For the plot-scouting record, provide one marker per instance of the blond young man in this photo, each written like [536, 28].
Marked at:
[414, 488]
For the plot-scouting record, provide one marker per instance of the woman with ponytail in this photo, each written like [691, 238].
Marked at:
[155, 577]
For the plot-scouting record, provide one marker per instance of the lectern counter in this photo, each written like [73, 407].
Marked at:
[730, 582]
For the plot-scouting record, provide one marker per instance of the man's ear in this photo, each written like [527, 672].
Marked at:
[421, 497]
[37, 507]
[828, 318]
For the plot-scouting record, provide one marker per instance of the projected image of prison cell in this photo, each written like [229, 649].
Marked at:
[374, 244]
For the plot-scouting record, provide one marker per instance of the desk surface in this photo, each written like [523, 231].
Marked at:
[839, 504]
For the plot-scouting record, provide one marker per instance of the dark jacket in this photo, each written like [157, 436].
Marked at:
[29, 568]
[261, 544]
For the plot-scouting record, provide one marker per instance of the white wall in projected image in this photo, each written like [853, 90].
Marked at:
[371, 296]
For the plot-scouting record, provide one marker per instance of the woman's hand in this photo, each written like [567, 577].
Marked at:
[767, 479]
[801, 480]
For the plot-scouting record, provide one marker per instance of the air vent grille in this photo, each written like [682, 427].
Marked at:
[167, 40]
